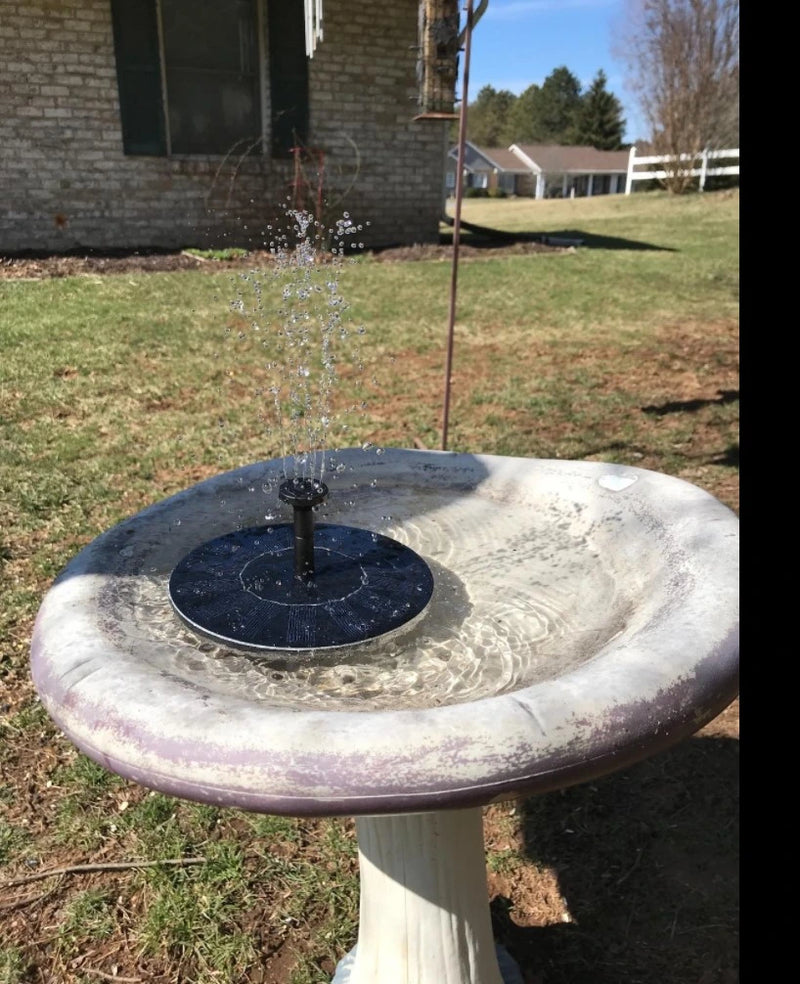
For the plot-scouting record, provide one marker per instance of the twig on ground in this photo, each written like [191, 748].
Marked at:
[111, 977]
[632, 868]
[80, 869]
[27, 900]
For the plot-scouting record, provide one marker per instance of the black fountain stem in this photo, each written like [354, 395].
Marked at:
[302, 494]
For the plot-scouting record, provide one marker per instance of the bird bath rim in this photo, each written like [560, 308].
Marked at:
[612, 708]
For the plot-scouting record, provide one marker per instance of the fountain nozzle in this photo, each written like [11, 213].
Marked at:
[302, 494]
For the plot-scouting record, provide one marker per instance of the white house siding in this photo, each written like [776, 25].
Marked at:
[65, 181]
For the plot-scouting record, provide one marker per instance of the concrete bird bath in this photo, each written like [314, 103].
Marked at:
[583, 616]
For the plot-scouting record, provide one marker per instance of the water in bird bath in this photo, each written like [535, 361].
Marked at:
[515, 601]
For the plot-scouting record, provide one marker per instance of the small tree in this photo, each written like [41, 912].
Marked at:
[600, 122]
[683, 59]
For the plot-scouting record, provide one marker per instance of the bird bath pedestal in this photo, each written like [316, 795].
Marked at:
[424, 908]
[583, 616]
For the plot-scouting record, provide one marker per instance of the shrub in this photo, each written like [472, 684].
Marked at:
[229, 253]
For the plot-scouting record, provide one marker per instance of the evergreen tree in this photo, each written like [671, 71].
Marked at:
[486, 117]
[599, 121]
[521, 119]
[547, 114]
[557, 107]
[555, 112]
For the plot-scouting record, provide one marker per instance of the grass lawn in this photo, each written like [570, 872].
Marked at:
[118, 390]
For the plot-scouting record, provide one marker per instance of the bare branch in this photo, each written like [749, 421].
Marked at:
[683, 59]
[80, 869]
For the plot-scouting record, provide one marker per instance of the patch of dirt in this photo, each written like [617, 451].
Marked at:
[41, 267]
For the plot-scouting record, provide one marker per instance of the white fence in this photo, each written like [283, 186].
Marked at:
[699, 168]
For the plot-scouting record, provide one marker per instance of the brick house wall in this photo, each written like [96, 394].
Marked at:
[66, 183]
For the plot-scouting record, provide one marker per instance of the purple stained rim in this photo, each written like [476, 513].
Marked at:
[673, 669]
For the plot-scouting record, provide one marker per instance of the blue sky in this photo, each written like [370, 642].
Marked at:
[518, 42]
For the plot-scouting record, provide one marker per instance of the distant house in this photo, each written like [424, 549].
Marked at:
[541, 170]
[490, 168]
[128, 123]
[564, 172]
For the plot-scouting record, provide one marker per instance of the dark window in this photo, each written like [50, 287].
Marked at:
[212, 77]
[190, 80]
[288, 75]
[139, 76]
[601, 184]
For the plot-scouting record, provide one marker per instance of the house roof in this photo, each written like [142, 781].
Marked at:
[551, 158]
[502, 159]
[490, 158]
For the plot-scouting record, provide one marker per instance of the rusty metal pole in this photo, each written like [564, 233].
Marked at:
[462, 139]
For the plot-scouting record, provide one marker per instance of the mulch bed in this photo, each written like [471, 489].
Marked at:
[35, 266]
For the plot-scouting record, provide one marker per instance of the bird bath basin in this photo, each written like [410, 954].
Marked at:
[583, 616]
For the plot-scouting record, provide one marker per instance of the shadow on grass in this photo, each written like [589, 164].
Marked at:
[691, 406]
[482, 237]
[647, 861]
[632, 453]
[729, 457]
